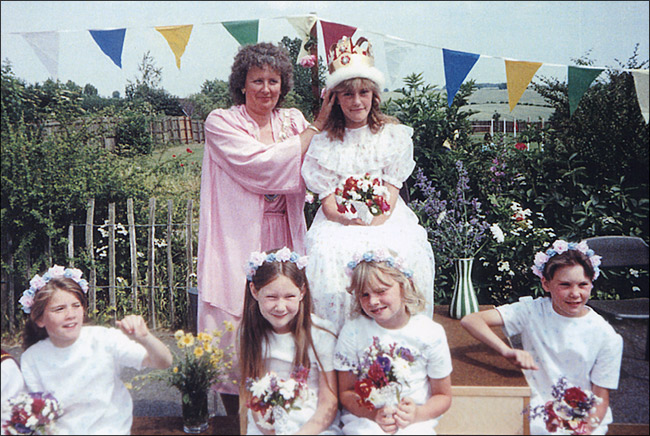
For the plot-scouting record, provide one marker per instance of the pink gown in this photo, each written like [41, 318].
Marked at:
[240, 176]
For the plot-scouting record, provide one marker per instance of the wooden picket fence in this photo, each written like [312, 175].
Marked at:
[136, 285]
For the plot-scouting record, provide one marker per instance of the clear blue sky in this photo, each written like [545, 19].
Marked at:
[548, 32]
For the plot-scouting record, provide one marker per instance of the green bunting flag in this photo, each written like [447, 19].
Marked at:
[245, 32]
[579, 80]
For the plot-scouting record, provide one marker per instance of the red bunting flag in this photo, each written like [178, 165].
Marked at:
[333, 32]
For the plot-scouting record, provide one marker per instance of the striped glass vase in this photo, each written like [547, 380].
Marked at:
[464, 300]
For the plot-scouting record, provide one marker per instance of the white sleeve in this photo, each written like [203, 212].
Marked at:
[318, 179]
[127, 352]
[401, 163]
[607, 368]
[515, 315]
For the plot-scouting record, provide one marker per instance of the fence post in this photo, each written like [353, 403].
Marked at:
[133, 252]
[170, 263]
[49, 240]
[71, 245]
[151, 257]
[92, 278]
[190, 260]
[111, 259]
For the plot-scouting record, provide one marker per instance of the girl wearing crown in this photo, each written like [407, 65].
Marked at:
[357, 140]
[561, 335]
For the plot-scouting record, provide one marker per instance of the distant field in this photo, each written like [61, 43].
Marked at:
[488, 100]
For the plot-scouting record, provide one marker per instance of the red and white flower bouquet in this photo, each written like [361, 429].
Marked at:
[381, 373]
[362, 197]
[31, 413]
[274, 397]
[568, 412]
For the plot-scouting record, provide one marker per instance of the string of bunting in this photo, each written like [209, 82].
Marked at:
[457, 64]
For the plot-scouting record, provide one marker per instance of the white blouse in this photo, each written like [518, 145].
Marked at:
[388, 154]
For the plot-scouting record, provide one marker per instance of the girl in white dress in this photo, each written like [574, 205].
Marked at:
[278, 334]
[386, 315]
[358, 139]
[80, 365]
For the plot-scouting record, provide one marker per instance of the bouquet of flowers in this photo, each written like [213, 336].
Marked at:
[31, 413]
[569, 410]
[381, 372]
[362, 197]
[200, 364]
[278, 396]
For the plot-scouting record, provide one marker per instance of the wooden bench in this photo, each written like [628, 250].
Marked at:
[173, 425]
[628, 429]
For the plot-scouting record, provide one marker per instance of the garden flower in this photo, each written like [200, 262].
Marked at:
[497, 233]
[307, 61]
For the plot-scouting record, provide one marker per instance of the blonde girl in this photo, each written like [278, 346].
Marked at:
[387, 310]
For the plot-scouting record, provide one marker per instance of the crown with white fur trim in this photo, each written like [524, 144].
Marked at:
[350, 60]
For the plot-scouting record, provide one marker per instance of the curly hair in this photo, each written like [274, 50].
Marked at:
[263, 54]
[335, 124]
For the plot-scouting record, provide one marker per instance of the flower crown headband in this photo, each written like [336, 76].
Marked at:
[379, 255]
[559, 247]
[56, 272]
[258, 258]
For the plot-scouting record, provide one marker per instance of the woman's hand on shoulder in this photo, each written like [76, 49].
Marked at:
[326, 108]
[134, 326]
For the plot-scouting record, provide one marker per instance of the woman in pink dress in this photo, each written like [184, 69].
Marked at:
[252, 193]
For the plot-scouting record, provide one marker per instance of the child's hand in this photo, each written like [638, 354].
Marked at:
[385, 417]
[405, 414]
[134, 326]
[520, 358]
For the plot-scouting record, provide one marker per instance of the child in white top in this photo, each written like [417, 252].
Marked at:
[80, 365]
[386, 310]
[561, 336]
[278, 333]
[359, 139]
[12, 381]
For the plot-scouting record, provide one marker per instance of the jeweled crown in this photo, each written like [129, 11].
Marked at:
[346, 53]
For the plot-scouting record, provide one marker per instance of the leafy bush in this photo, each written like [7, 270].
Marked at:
[132, 135]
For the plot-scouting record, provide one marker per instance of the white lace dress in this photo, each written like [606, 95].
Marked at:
[330, 245]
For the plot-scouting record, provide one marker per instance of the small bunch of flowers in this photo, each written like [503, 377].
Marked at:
[362, 197]
[37, 282]
[560, 246]
[31, 413]
[271, 391]
[200, 363]
[457, 226]
[381, 372]
[569, 410]
[379, 255]
[307, 61]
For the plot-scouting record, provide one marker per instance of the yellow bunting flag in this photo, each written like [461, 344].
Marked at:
[177, 38]
[518, 76]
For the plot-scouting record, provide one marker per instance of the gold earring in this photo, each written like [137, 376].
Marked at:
[243, 90]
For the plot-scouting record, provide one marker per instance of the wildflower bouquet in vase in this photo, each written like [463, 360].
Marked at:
[31, 413]
[568, 412]
[362, 197]
[275, 397]
[381, 373]
[200, 364]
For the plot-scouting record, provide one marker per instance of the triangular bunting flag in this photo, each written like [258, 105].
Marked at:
[46, 47]
[177, 38]
[579, 80]
[457, 66]
[518, 76]
[395, 54]
[245, 32]
[303, 26]
[332, 33]
[111, 43]
[641, 81]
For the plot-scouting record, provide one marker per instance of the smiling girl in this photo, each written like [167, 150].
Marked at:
[279, 333]
[387, 308]
[80, 365]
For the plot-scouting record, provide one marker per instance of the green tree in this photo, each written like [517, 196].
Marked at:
[145, 95]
